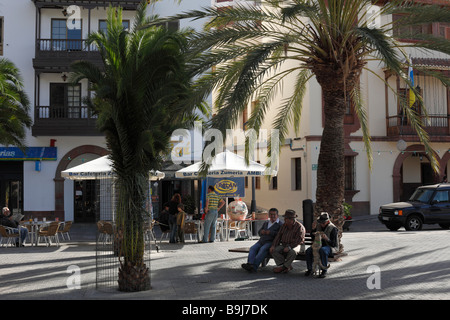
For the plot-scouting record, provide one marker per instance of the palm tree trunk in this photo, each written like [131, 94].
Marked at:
[331, 166]
[134, 274]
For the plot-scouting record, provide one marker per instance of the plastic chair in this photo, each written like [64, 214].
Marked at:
[239, 228]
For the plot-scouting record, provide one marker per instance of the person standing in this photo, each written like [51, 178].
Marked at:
[173, 213]
[213, 204]
[181, 217]
[260, 249]
[284, 248]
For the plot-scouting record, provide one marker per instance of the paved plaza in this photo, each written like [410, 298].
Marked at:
[380, 264]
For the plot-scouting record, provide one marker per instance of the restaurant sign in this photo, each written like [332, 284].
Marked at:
[28, 154]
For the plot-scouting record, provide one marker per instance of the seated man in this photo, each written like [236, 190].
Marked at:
[7, 221]
[284, 248]
[267, 233]
[330, 243]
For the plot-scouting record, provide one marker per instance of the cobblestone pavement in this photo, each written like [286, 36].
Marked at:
[380, 264]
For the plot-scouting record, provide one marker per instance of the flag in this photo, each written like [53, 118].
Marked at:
[412, 96]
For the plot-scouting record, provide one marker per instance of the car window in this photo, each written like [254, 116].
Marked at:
[422, 195]
[441, 196]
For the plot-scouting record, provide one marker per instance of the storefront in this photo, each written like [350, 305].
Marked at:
[11, 172]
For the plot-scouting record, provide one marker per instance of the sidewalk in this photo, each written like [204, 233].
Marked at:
[381, 264]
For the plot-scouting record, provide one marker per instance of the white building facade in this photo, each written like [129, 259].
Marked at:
[42, 38]
[400, 163]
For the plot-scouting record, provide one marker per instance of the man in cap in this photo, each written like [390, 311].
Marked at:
[330, 243]
[284, 247]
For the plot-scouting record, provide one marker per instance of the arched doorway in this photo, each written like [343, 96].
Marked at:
[412, 168]
[63, 165]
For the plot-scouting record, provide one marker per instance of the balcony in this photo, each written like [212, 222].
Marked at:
[64, 121]
[125, 4]
[57, 55]
[437, 126]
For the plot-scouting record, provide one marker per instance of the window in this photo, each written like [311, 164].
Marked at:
[444, 30]
[1, 36]
[103, 27]
[349, 173]
[65, 101]
[297, 183]
[273, 183]
[441, 29]
[171, 25]
[408, 32]
[441, 196]
[258, 180]
[64, 38]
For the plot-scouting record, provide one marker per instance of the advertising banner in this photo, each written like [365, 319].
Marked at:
[228, 187]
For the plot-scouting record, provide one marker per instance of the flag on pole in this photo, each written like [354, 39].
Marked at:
[412, 96]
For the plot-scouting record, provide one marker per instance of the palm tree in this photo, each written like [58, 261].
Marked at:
[139, 99]
[14, 105]
[255, 48]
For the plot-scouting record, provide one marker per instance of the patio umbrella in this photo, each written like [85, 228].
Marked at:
[226, 165]
[99, 168]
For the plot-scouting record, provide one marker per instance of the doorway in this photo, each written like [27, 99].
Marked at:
[85, 201]
[11, 186]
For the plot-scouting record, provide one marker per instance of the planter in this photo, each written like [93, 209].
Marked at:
[261, 216]
[347, 224]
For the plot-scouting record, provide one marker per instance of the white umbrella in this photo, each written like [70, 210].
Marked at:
[226, 164]
[99, 168]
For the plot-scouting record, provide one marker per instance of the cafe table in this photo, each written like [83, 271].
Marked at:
[35, 225]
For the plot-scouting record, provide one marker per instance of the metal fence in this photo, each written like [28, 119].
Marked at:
[108, 236]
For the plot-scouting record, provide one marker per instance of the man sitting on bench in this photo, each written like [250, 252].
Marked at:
[330, 243]
[260, 249]
[284, 247]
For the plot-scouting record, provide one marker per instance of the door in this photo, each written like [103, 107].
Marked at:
[65, 100]
[11, 186]
[85, 201]
[439, 211]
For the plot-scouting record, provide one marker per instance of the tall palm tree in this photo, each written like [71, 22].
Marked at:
[14, 105]
[140, 99]
[255, 49]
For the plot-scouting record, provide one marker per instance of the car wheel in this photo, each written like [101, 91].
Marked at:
[413, 223]
[392, 227]
[444, 225]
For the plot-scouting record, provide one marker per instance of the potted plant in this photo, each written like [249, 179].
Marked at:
[347, 216]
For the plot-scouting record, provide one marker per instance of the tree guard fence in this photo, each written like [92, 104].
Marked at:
[109, 244]
[124, 223]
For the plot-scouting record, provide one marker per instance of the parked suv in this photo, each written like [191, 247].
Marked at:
[428, 205]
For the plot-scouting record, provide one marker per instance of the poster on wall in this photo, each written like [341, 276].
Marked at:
[228, 187]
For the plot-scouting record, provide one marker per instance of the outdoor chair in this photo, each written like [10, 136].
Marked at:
[190, 228]
[65, 230]
[239, 228]
[31, 232]
[106, 230]
[165, 231]
[49, 232]
[8, 236]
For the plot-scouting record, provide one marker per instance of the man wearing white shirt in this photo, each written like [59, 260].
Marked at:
[260, 249]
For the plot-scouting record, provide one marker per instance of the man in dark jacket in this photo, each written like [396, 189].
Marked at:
[259, 250]
[7, 221]
[330, 243]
